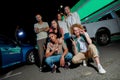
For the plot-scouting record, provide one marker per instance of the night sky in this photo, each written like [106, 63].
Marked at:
[22, 13]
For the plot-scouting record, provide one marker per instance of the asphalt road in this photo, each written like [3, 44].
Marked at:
[109, 56]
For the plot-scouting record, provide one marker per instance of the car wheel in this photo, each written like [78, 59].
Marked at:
[30, 57]
[103, 38]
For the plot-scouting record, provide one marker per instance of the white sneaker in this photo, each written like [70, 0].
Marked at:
[84, 63]
[101, 69]
[40, 69]
[68, 63]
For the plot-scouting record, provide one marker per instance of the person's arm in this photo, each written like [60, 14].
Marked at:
[62, 59]
[36, 29]
[46, 28]
[50, 52]
[74, 47]
[89, 41]
[62, 32]
[65, 52]
[77, 18]
[88, 38]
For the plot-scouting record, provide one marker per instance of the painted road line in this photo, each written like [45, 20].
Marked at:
[8, 76]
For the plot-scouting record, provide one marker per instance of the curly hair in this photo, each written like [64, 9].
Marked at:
[76, 25]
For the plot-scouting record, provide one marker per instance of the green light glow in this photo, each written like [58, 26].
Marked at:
[90, 7]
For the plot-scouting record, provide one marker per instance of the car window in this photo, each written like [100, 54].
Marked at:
[6, 41]
[106, 17]
[118, 12]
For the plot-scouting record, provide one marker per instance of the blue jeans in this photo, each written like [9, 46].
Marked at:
[56, 58]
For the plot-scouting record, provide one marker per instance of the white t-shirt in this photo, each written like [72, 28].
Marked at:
[41, 35]
[63, 25]
[83, 45]
[72, 19]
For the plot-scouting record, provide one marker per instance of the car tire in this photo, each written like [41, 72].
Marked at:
[103, 38]
[30, 58]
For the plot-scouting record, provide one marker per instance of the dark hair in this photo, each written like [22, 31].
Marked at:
[52, 33]
[57, 15]
[59, 34]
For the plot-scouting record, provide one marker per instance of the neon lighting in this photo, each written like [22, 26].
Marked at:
[89, 7]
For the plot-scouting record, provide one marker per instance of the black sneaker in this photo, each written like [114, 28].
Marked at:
[57, 70]
[53, 69]
[67, 64]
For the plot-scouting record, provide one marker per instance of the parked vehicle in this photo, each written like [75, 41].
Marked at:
[105, 27]
[12, 53]
[104, 23]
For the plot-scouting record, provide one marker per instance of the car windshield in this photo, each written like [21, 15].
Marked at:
[6, 41]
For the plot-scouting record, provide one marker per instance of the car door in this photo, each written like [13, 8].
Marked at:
[10, 53]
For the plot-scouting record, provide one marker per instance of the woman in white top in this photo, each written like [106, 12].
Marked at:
[63, 25]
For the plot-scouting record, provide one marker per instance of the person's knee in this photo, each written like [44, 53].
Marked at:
[69, 55]
[91, 46]
[93, 50]
[48, 60]
[76, 61]
[73, 61]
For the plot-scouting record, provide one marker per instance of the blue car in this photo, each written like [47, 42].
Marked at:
[12, 53]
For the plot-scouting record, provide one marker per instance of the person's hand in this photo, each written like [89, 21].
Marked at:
[37, 30]
[82, 31]
[62, 61]
[42, 29]
[55, 49]
[73, 42]
[60, 40]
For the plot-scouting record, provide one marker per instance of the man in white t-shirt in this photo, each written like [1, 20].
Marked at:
[41, 29]
[71, 18]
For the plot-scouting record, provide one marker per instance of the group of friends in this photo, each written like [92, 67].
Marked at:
[65, 42]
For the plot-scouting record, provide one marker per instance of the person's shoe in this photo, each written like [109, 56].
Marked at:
[101, 70]
[53, 69]
[57, 70]
[84, 63]
[40, 69]
[67, 64]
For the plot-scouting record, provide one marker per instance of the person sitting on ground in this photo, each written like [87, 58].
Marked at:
[56, 52]
[83, 47]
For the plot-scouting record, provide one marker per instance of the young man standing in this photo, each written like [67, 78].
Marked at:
[71, 18]
[41, 29]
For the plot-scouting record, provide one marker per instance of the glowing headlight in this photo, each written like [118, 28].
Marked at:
[20, 33]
